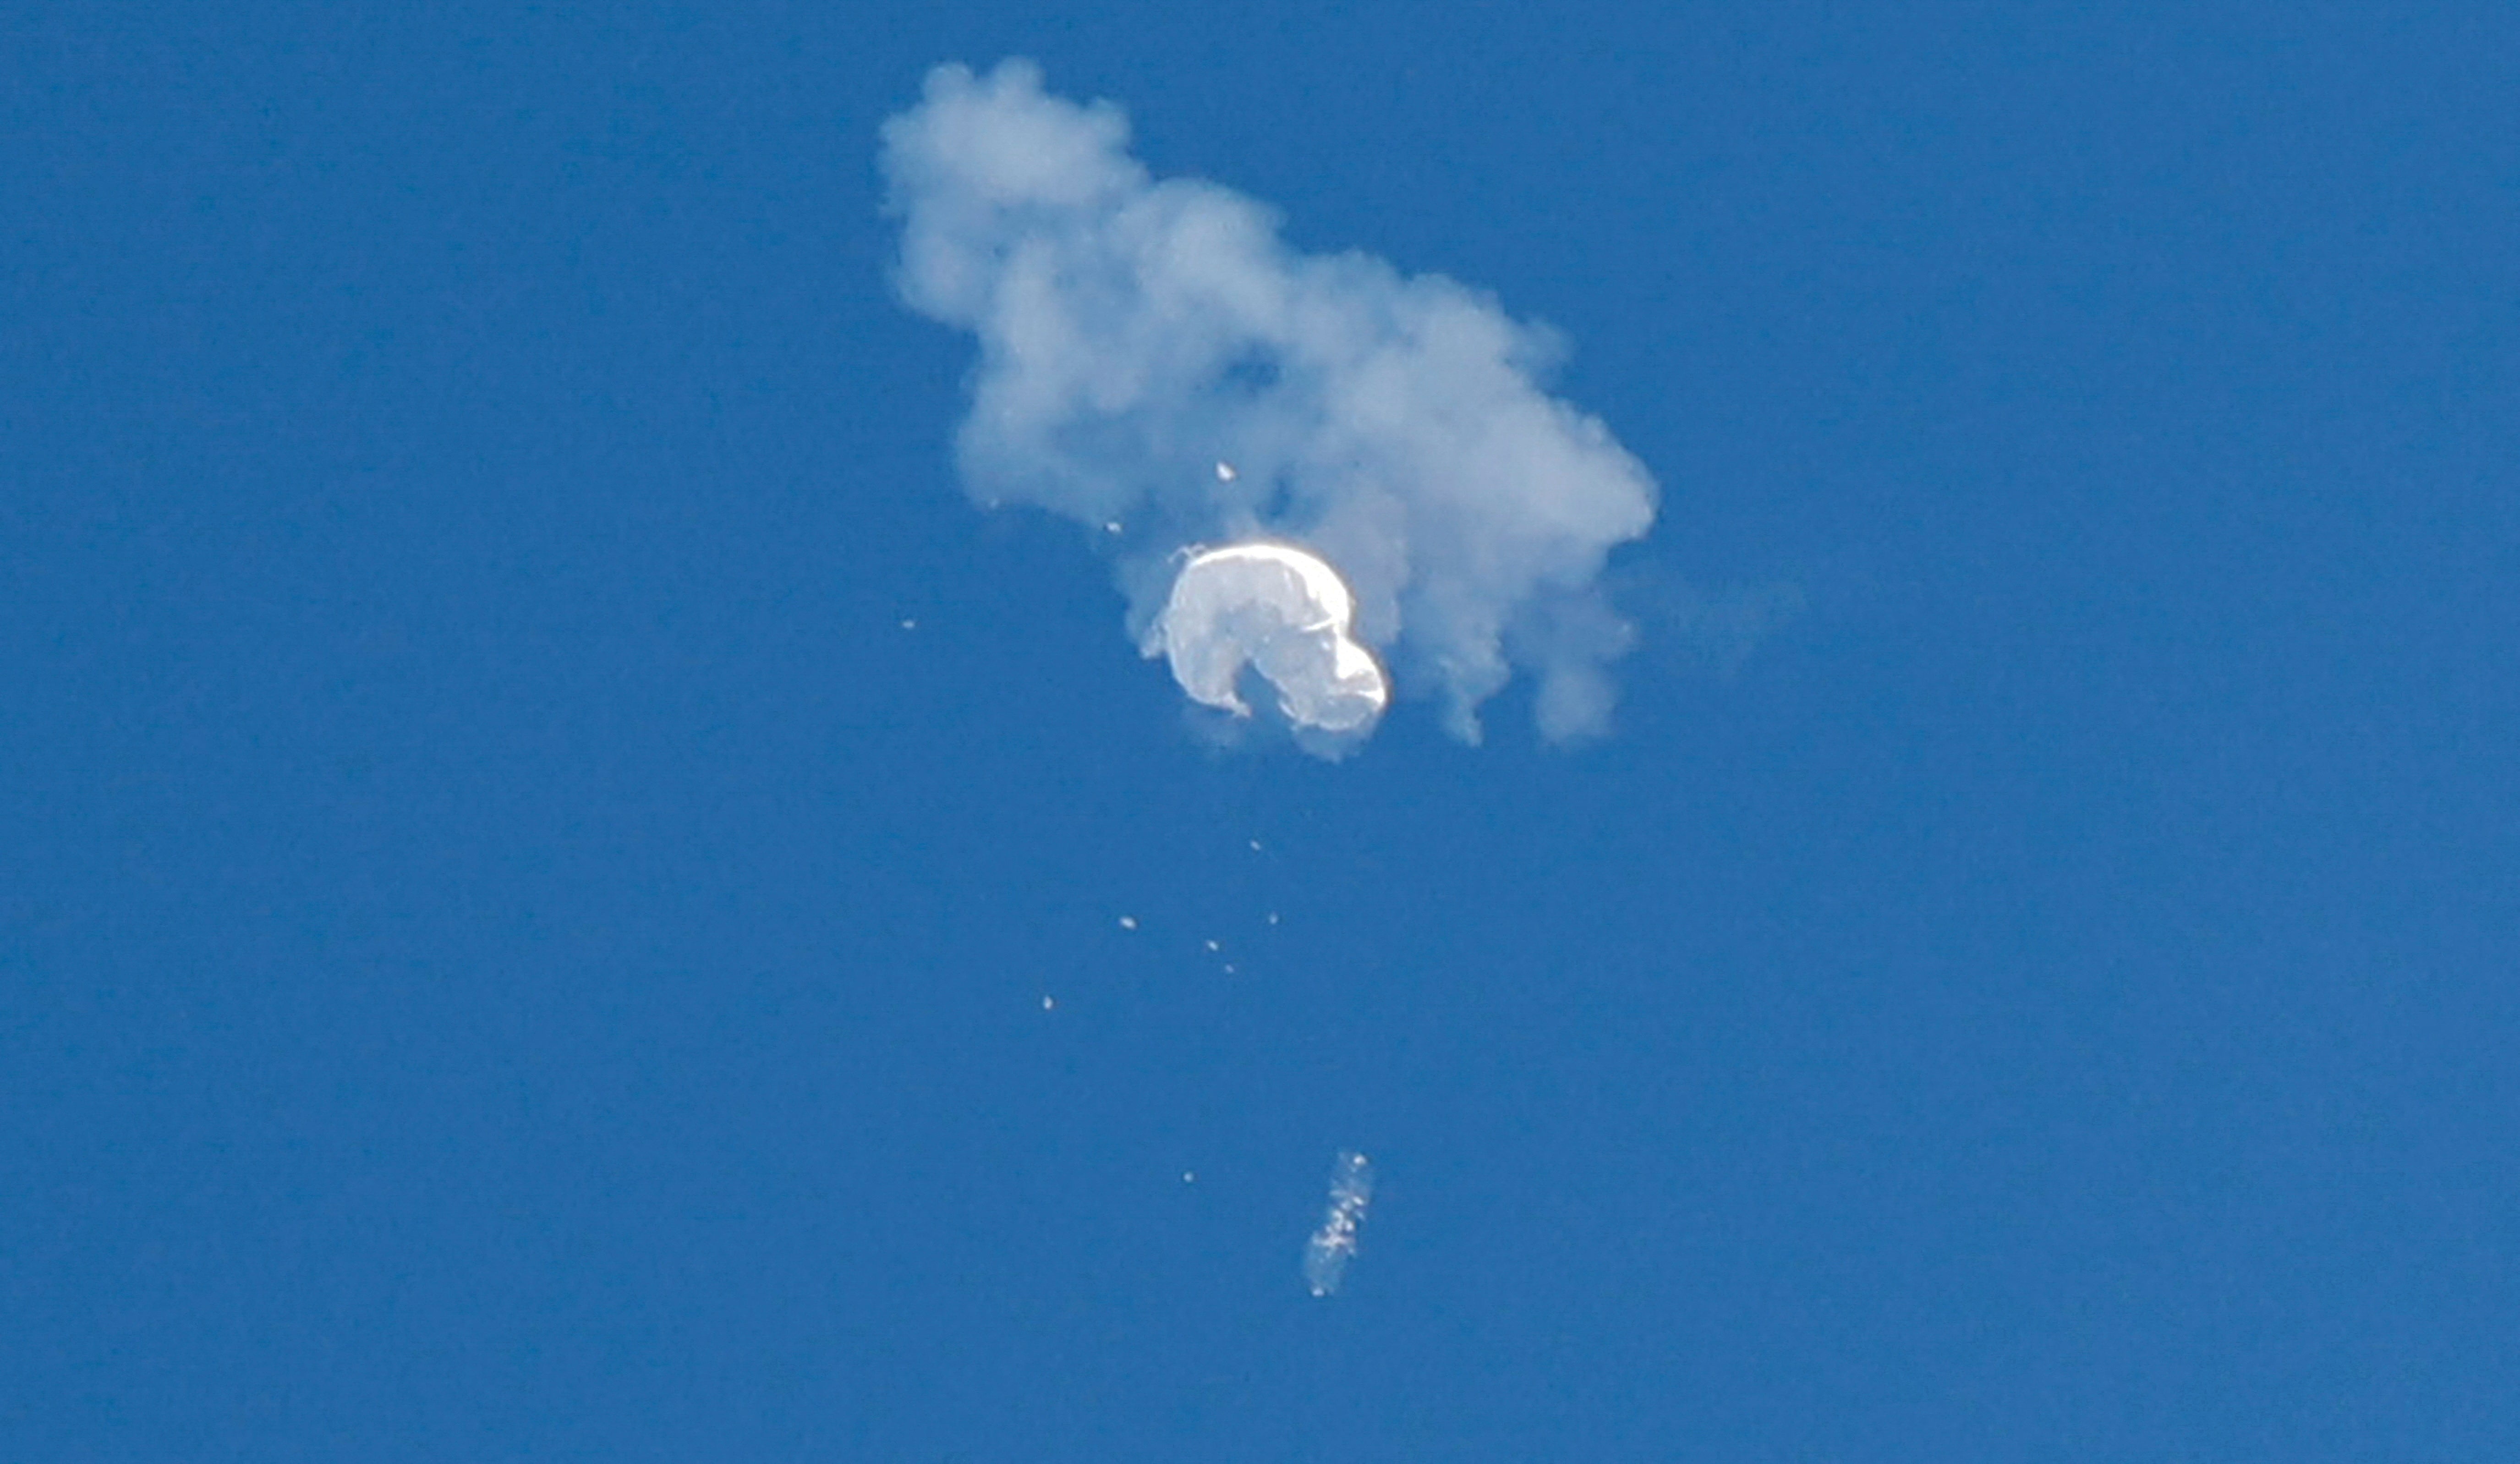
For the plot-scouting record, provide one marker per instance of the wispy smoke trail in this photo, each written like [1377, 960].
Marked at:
[1134, 332]
[1326, 1254]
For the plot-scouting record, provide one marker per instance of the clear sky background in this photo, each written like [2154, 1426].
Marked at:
[508, 948]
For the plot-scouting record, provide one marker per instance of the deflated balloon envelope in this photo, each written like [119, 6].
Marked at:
[1286, 613]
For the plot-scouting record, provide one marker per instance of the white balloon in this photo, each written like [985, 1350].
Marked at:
[1284, 613]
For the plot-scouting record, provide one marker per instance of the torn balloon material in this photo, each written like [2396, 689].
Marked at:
[1280, 612]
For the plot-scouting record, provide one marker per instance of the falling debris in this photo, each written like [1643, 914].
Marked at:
[909, 624]
[1047, 1003]
[1280, 611]
[1128, 922]
[1273, 917]
[1326, 1254]
[1213, 946]
[1224, 473]
[1190, 1176]
[1255, 846]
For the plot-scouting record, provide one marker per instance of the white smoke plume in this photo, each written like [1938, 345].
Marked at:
[1134, 332]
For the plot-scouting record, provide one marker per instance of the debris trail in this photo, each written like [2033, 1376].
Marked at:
[1326, 1254]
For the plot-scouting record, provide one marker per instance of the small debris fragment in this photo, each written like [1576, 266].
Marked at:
[1128, 922]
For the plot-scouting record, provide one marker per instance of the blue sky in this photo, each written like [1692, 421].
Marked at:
[508, 950]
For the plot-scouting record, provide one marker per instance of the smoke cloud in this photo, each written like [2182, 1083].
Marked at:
[1134, 332]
